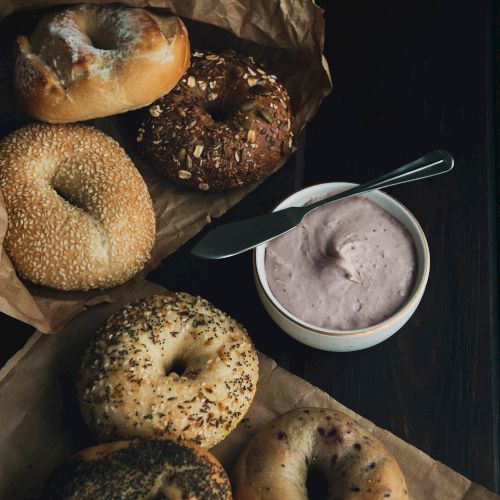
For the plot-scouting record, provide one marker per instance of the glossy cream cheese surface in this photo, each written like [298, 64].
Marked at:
[348, 265]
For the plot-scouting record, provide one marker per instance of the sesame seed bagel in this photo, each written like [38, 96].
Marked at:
[139, 469]
[355, 464]
[168, 366]
[89, 61]
[79, 213]
[226, 124]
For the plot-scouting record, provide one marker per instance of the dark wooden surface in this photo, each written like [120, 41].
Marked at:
[409, 77]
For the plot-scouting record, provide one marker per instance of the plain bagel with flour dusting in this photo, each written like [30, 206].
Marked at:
[139, 469]
[79, 213]
[90, 61]
[355, 464]
[168, 366]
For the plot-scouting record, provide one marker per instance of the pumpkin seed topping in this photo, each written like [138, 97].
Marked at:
[266, 115]
[248, 105]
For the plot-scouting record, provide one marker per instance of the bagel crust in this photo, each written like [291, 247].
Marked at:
[168, 366]
[354, 463]
[79, 214]
[139, 469]
[227, 123]
[90, 61]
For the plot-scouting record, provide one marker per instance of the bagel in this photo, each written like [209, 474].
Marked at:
[228, 123]
[90, 61]
[168, 366]
[79, 214]
[141, 470]
[355, 464]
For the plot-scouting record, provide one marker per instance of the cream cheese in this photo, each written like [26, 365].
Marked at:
[348, 265]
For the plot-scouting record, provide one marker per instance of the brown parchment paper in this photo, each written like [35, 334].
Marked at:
[286, 35]
[40, 423]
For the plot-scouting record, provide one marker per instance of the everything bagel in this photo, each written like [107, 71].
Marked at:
[168, 366]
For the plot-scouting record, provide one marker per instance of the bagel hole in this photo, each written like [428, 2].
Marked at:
[101, 40]
[178, 366]
[316, 484]
[67, 198]
[217, 112]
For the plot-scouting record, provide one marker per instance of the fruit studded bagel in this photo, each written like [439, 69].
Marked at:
[168, 366]
[141, 470]
[227, 123]
[89, 61]
[79, 213]
[354, 463]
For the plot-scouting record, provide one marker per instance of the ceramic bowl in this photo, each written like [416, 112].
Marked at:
[346, 340]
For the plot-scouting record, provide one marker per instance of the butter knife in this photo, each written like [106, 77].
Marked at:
[238, 237]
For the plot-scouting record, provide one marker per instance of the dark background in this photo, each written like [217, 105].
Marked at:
[409, 77]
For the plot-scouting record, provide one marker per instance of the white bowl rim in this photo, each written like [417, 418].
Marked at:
[414, 297]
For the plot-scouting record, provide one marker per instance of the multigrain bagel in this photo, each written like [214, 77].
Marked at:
[226, 124]
[168, 366]
[79, 213]
[355, 464]
[139, 470]
[89, 61]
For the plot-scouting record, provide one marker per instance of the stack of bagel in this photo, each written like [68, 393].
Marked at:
[80, 216]
[167, 377]
[170, 376]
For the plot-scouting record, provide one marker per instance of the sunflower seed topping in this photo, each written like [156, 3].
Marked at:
[198, 150]
[251, 136]
[184, 174]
